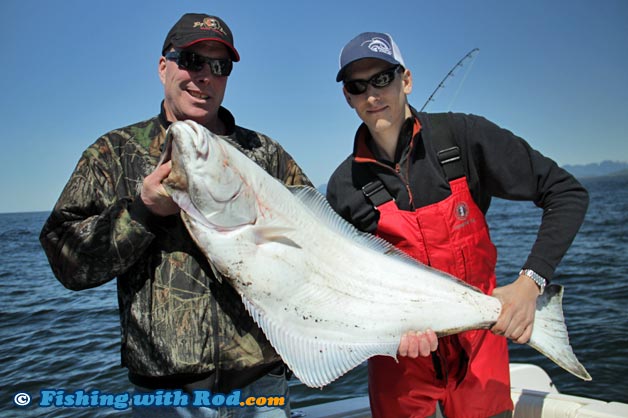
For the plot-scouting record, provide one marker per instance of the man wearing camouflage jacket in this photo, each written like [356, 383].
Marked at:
[181, 327]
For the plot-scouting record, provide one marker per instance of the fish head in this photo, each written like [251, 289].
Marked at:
[205, 181]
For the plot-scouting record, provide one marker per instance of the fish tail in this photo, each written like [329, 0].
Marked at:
[549, 335]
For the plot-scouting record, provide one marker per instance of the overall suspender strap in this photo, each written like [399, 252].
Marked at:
[449, 152]
[376, 193]
[448, 157]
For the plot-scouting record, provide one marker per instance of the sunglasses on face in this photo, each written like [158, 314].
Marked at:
[191, 61]
[379, 80]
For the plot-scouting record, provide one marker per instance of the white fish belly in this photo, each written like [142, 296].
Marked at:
[328, 287]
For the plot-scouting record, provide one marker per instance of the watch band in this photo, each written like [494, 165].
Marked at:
[538, 279]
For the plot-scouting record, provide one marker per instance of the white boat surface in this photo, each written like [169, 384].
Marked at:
[533, 394]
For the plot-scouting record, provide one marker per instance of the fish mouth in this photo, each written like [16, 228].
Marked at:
[166, 153]
[167, 146]
[177, 179]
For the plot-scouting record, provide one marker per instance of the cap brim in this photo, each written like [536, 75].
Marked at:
[232, 51]
[341, 74]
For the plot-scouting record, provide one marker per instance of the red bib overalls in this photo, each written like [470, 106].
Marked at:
[469, 373]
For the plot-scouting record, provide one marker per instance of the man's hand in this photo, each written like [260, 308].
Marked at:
[154, 195]
[414, 344]
[518, 300]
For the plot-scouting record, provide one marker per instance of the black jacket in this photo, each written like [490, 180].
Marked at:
[497, 164]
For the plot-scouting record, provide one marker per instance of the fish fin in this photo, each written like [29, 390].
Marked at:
[318, 206]
[277, 234]
[316, 362]
[549, 334]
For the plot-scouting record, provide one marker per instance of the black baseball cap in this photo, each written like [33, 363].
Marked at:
[197, 27]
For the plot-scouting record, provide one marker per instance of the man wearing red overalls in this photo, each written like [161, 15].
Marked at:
[424, 182]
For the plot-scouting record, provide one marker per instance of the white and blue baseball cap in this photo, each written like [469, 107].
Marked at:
[369, 45]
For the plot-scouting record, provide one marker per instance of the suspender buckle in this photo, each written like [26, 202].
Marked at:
[372, 188]
[449, 159]
[376, 193]
[449, 155]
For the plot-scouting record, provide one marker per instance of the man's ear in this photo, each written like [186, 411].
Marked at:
[347, 97]
[407, 82]
[161, 69]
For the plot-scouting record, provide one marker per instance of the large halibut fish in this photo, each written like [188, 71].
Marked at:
[326, 295]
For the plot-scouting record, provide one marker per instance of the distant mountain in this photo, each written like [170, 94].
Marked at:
[605, 168]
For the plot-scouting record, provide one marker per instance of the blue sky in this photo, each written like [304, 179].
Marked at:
[553, 72]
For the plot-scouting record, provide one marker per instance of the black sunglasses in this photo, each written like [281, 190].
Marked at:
[379, 80]
[191, 61]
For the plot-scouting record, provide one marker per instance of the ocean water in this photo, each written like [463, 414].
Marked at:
[54, 338]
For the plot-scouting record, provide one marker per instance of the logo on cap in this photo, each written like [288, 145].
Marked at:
[378, 45]
[210, 24]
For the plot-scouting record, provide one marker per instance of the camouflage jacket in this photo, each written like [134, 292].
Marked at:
[176, 318]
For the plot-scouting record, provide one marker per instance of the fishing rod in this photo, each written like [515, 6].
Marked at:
[449, 74]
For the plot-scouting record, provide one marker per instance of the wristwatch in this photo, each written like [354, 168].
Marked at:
[538, 279]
